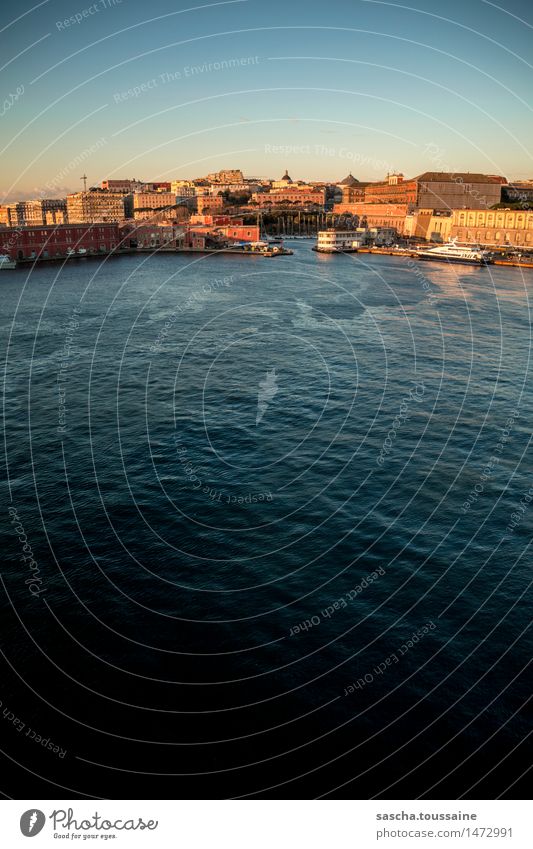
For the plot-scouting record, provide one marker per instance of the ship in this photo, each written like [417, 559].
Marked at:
[335, 241]
[6, 262]
[452, 252]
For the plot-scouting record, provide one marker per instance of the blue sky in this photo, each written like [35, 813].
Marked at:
[324, 89]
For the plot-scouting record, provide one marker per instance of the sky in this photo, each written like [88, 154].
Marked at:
[173, 90]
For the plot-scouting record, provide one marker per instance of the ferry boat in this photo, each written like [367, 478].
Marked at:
[452, 252]
[6, 262]
[334, 241]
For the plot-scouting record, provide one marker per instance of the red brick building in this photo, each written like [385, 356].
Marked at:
[60, 241]
[392, 190]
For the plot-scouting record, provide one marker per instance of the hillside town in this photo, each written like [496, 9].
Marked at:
[227, 211]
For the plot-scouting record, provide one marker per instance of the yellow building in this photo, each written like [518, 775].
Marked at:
[493, 226]
[146, 204]
[433, 225]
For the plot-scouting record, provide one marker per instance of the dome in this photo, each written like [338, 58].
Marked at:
[349, 181]
[286, 178]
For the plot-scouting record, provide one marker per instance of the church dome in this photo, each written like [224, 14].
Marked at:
[349, 181]
[286, 178]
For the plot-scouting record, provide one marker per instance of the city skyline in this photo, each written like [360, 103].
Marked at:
[382, 87]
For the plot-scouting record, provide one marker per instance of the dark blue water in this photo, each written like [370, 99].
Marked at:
[277, 518]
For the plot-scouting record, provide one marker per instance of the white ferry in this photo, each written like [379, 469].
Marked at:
[452, 252]
[6, 262]
[339, 241]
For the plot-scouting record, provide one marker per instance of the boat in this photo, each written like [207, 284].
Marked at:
[6, 262]
[452, 252]
[261, 248]
[335, 241]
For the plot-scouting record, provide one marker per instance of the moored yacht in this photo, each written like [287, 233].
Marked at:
[6, 262]
[452, 252]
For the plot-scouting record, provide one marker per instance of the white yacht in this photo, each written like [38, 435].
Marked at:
[6, 262]
[452, 252]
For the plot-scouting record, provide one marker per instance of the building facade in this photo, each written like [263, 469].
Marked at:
[208, 204]
[520, 191]
[146, 204]
[60, 241]
[122, 186]
[388, 215]
[183, 188]
[95, 205]
[29, 213]
[494, 227]
[430, 190]
[441, 190]
[295, 195]
[432, 225]
[393, 190]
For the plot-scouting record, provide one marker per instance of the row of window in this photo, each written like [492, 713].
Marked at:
[497, 236]
[497, 219]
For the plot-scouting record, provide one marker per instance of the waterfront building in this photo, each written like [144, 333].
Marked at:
[44, 242]
[153, 235]
[493, 227]
[432, 225]
[95, 205]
